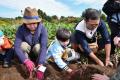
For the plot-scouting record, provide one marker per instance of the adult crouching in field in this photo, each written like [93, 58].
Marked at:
[85, 36]
[31, 42]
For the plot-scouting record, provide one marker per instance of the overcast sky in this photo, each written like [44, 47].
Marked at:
[12, 8]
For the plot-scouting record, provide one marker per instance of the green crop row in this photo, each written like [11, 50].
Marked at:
[10, 30]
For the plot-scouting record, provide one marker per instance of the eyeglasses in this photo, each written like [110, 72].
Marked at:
[92, 24]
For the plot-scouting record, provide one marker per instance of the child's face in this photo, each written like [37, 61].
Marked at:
[65, 43]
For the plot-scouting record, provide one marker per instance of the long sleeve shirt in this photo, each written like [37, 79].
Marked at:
[55, 51]
[24, 35]
[81, 38]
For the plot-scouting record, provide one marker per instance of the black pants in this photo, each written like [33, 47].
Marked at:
[115, 29]
[8, 55]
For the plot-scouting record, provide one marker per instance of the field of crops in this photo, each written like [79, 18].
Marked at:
[10, 29]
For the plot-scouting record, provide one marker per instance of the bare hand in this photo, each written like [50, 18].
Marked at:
[100, 77]
[116, 40]
[101, 63]
[69, 70]
[108, 63]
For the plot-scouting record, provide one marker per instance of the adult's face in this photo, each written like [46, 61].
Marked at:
[32, 26]
[92, 24]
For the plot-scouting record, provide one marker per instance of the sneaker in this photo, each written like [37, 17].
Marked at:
[6, 64]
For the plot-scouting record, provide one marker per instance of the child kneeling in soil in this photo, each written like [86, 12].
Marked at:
[58, 51]
[6, 53]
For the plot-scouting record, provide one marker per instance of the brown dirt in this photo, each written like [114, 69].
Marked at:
[10, 74]
[82, 72]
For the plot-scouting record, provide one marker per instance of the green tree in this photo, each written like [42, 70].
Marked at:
[41, 14]
[18, 18]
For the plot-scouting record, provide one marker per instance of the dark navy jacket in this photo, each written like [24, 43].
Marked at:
[83, 40]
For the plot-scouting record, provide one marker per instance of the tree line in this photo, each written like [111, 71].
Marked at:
[53, 19]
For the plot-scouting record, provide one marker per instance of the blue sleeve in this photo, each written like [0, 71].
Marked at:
[56, 54]
[17, 44]
[43, 46]
[104, 32]
[81, 40]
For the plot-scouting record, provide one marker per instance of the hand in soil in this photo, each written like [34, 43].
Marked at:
[101, 63]
[71, 74]
[69, 70]
[100, 77]
[109, 63]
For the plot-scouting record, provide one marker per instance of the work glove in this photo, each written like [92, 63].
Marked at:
[40, 72]
[29, 65]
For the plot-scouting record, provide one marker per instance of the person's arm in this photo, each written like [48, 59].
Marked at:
[117, 40]
[107, 51]
[43, 46]
[96, 59]
[111, 7]
[106, 39]
[81, 40]
[100, 77]
[17, 44]
[58, 59]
